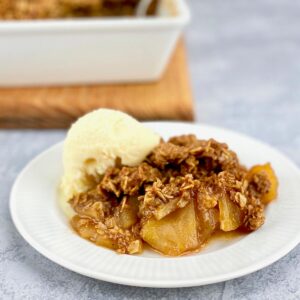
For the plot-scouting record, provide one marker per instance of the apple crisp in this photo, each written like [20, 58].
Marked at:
[175, 200]
[55, 9]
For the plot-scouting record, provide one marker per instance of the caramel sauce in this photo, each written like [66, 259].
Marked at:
[223, 235]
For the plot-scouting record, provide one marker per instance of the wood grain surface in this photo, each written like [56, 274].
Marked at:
[58, 107]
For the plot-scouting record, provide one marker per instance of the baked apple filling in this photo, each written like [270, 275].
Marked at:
[175, 200]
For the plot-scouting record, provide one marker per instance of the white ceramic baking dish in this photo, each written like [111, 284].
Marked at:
[90, 50]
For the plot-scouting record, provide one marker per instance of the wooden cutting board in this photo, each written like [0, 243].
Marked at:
[57, 107]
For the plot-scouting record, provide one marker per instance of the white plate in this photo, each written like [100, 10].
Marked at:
[36, 214]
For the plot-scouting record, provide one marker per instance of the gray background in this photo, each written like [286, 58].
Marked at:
[245, 69]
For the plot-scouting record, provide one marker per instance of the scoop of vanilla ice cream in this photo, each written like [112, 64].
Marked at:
[95, 141]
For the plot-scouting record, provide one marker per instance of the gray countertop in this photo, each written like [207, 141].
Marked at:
[245, 69]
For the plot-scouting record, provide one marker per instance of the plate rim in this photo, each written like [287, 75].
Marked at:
[146, 282]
